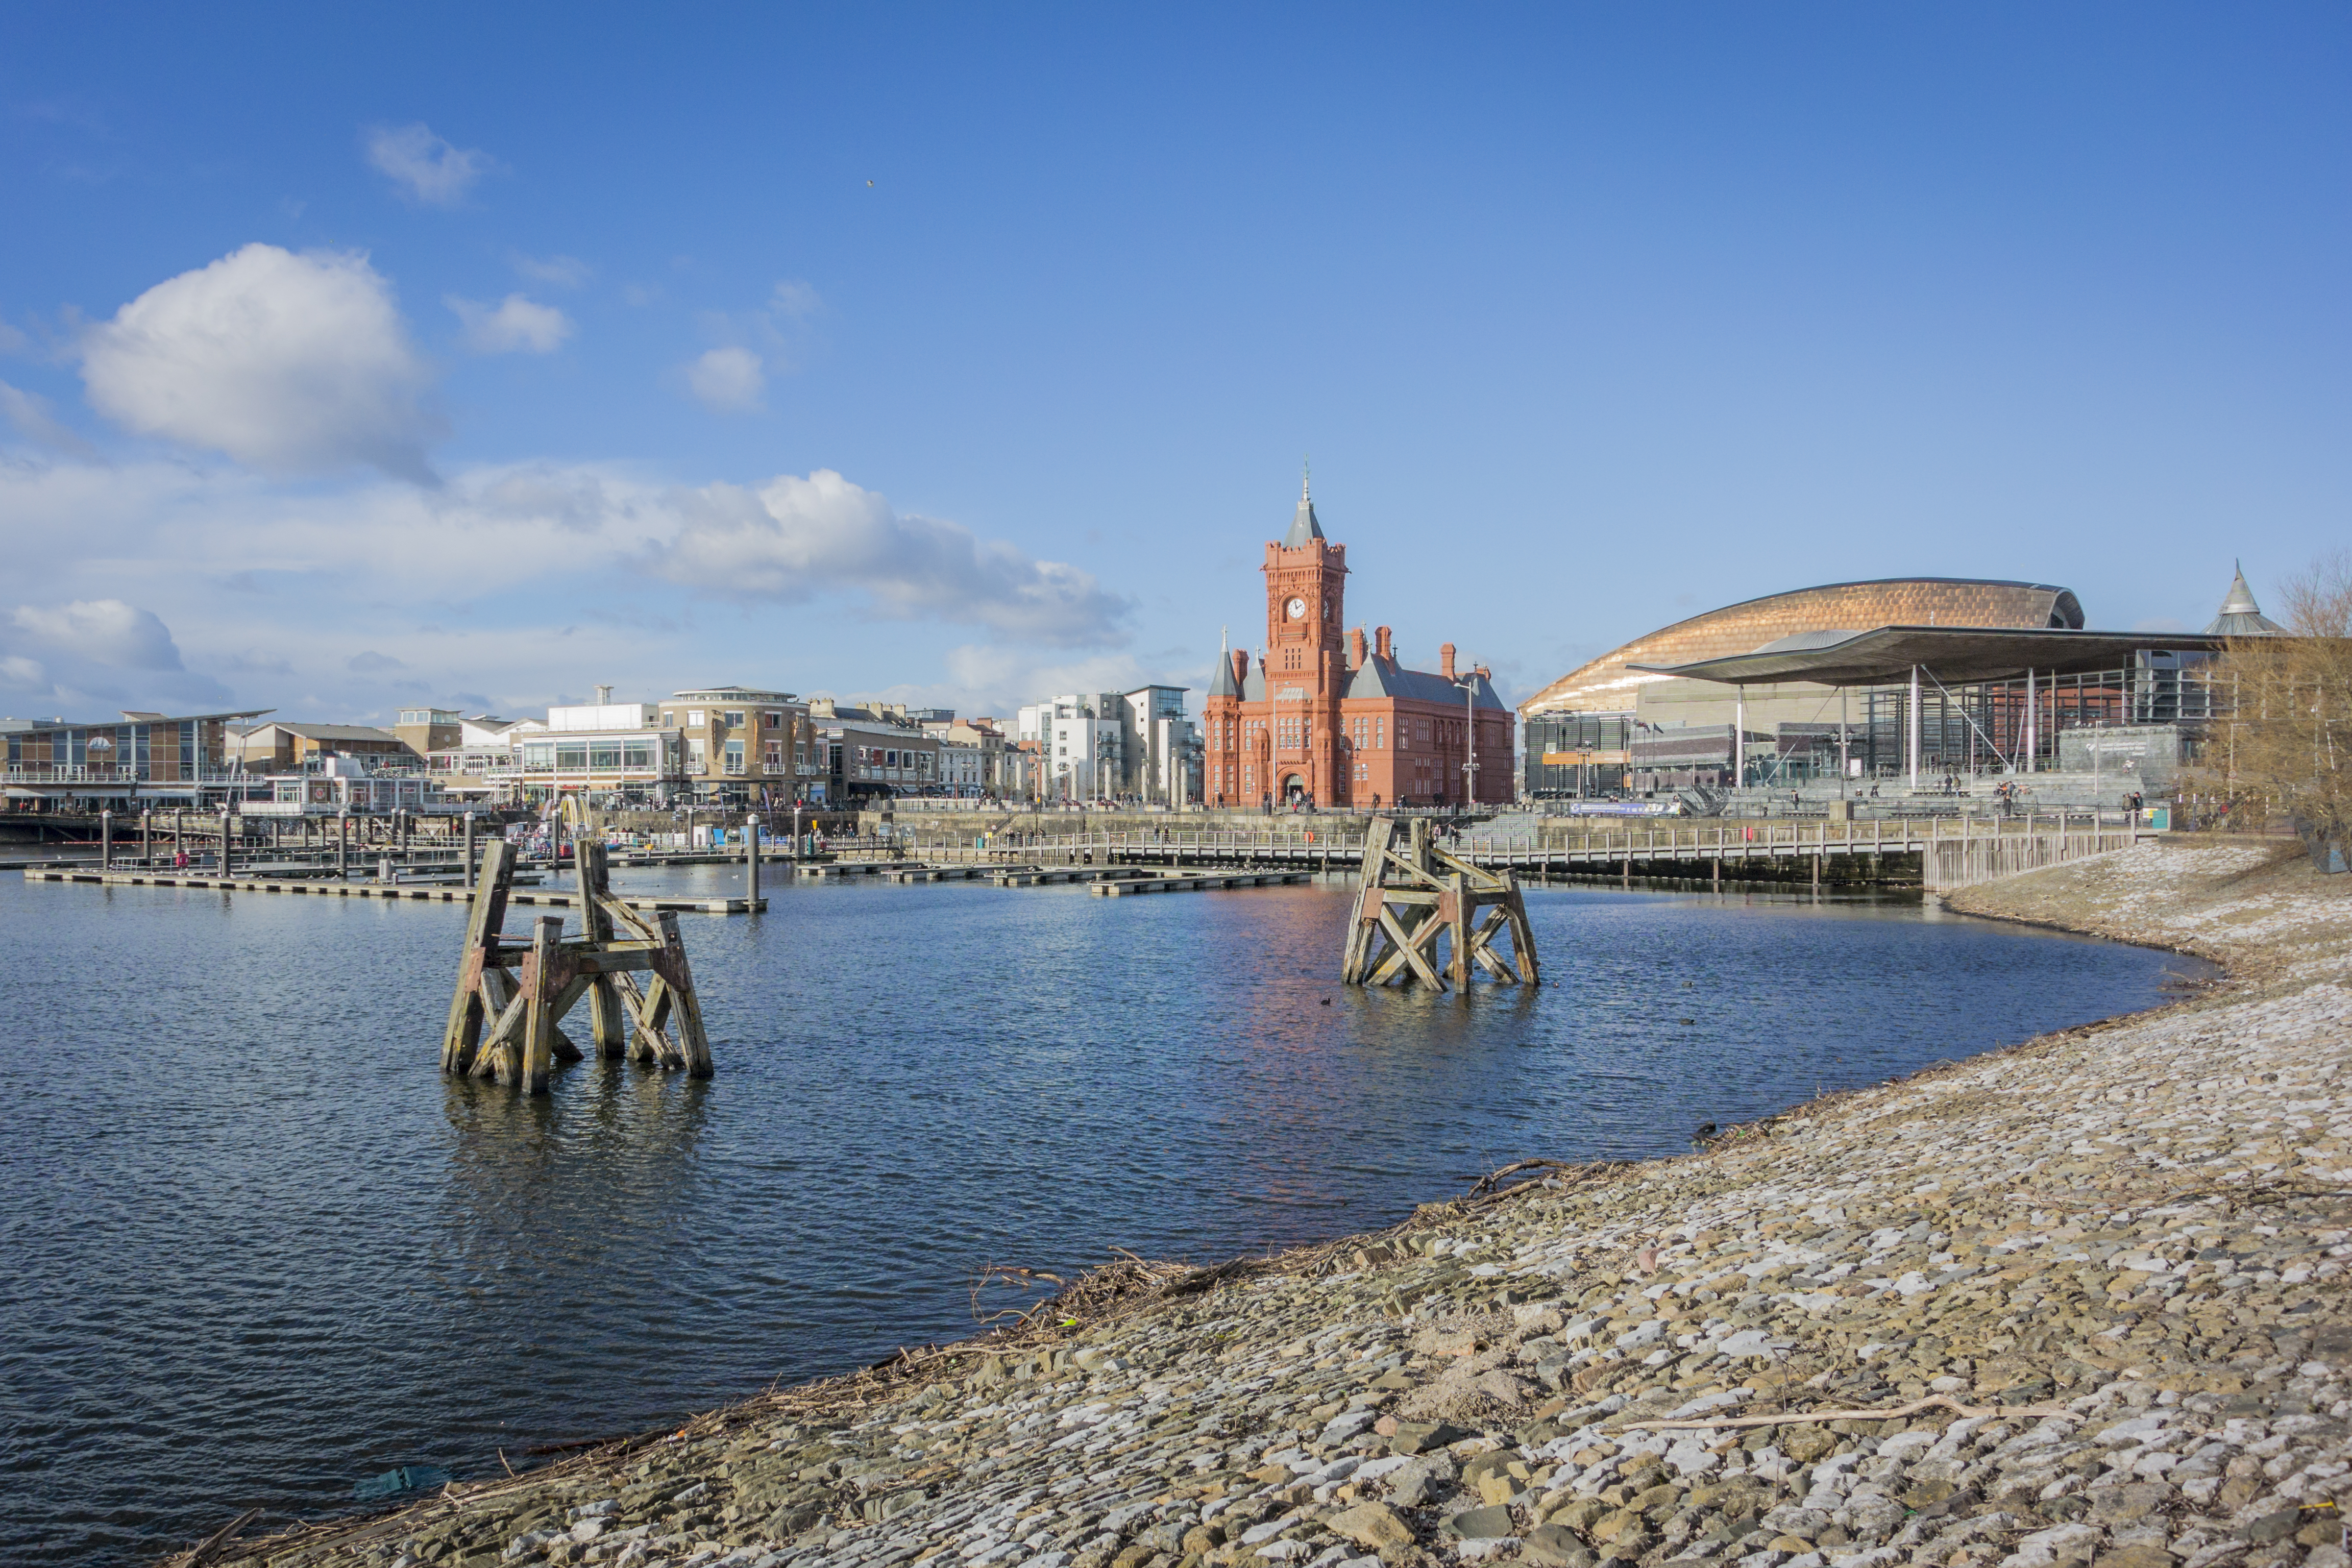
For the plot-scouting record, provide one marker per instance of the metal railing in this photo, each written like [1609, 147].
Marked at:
[118, 773]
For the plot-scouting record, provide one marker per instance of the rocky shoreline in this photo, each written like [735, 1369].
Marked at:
[2081, 1300]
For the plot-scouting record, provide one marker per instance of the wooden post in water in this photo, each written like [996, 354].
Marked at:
[750, 861]
[105, 840]
[469, 852]
[509, 1026]
[147, 838]
[1411, 898]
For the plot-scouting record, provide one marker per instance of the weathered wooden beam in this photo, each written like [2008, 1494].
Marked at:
[1408, 948]
[482, 923]
[607, 1029]
[1523, 941]
[538, 986]
[691, 1039]
[1456, 912]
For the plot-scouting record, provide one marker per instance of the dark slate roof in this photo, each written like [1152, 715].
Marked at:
[1386, 678]
[1221, 684]
[1303, 526]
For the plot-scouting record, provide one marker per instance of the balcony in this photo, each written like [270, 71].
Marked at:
[118, 773]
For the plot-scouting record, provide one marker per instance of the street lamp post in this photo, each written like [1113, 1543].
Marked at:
[1470, 736]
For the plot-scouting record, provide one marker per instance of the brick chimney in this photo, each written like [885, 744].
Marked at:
[1381, 642]
[1445, 661]
[1356, 648]
[1241, 668]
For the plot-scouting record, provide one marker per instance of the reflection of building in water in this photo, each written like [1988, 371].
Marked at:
[1910, 678]
[1322, 718]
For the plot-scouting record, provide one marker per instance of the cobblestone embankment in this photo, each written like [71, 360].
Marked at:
[2118, 1253]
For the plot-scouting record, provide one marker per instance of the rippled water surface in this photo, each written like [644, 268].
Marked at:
[254, 1247]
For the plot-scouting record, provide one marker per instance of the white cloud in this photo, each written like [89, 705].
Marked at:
[726, 381]
[105, 631]
[793, 299]
[11, 339]
[562, 272]
[426, 168]
[290, 363]
[798, 537]
[544, 575]
[513, 323]
[985, 678]
[31, 417]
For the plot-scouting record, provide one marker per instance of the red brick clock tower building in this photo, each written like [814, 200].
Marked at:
[1321, 719]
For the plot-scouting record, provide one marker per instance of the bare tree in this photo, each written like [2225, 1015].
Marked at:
[2287, 744]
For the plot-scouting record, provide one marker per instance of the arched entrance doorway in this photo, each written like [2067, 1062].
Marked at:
[1294, 790]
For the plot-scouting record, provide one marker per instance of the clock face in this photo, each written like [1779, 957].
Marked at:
[1297, 607]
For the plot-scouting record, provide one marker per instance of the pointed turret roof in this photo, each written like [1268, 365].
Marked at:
[2240, 616]
[1222, 684]
[1303, 526]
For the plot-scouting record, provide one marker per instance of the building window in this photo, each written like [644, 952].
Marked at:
[734, 718]
[776, 755]
[698, 756]
[539, 756]
[694, 718]
[637, 754]
[768, 720]
[732, 757]
[605, 754]
[571, 756]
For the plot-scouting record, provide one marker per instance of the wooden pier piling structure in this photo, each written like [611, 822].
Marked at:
[505, 1023]
[1414, 896]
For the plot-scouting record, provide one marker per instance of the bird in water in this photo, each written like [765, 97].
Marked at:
[1701, 1133]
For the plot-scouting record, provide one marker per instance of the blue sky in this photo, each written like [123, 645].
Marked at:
[475, 355]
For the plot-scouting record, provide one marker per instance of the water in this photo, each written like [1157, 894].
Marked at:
[254, 1247]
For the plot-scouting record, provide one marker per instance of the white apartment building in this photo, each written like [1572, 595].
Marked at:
[1080, 744]
[1100, 746]
[963, 770]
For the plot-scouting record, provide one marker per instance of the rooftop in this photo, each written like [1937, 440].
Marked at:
[1885, 655]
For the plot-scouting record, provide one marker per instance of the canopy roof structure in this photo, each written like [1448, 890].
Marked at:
[1885, 655]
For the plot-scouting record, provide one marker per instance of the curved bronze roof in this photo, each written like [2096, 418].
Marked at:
[1950, 654]
[1608, 683]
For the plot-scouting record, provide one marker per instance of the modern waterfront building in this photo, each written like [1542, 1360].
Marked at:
[1133, 746]
[335, 784]
[145, 757]
[283, 746]
[740, 745]
[1320, 718]
[864, 756]
[426, 731]
[1911, 680]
